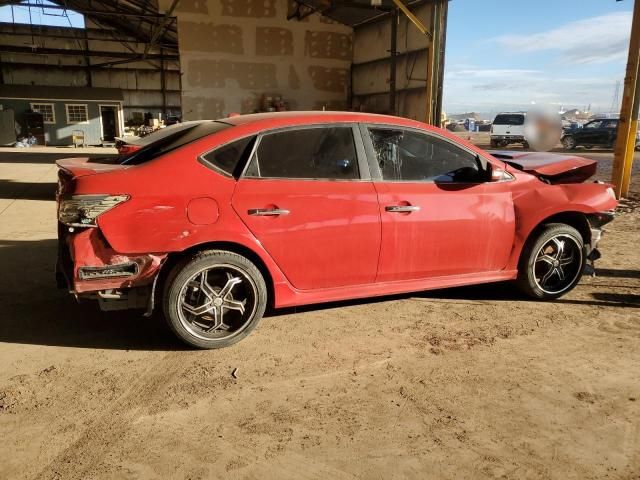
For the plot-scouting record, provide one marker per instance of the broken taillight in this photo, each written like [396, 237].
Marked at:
[82, 210]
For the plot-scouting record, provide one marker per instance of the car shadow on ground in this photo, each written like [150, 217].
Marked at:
[34, 311]
[27, 190]
[22, 156]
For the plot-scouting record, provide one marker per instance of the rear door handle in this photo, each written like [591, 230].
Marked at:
[402, 208]
[267, 212]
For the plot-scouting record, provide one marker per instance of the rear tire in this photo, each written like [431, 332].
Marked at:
[569, 142]
[552, 262]
[214, 299]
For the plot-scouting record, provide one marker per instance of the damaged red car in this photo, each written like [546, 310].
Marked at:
[212, 224]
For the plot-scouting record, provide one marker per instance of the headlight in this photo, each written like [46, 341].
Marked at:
[82, 210]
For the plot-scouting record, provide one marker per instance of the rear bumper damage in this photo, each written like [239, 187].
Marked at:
[89, 268]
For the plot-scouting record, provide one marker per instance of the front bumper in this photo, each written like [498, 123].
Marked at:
[596, 222]
[88, 265]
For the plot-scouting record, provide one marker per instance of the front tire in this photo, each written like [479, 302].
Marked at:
[552, 263]
[214, 299]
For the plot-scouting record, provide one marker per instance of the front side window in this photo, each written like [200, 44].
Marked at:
[596, 124]
[46, 109]
[409, 156]
[77, 113]
[311, 153]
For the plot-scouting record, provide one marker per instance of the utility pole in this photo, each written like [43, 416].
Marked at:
[628, 124]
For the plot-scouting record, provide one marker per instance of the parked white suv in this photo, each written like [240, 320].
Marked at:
[508, 128]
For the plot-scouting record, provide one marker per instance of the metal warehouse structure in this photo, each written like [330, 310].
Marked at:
[209, 58]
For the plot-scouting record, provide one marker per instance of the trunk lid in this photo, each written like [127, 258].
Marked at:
[553, 167]
[81, 166]
[72, 168]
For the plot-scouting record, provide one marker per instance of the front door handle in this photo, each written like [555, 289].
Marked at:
[267, 212]
[402, 208]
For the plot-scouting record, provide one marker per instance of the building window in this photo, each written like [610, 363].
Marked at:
[77, 113]
[47, 111]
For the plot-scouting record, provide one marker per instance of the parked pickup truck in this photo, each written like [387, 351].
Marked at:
[508, 128]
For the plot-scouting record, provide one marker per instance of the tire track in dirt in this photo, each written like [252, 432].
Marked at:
[86, 452]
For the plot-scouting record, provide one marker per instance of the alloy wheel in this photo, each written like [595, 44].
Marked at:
[218, 302]
[557, 264]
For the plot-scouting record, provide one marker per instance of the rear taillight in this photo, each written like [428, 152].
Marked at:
[83, 210]
[128, 149]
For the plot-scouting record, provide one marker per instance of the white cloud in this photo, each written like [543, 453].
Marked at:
[467, 88]
[592, 40]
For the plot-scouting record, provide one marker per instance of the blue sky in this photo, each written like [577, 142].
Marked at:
[41, 16]
[507, 54]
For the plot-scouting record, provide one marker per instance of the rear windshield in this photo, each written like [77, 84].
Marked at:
[164, 132]
[176, 139]
[509, 119]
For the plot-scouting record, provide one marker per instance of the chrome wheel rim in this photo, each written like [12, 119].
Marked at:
[218, 302]
[558, 264]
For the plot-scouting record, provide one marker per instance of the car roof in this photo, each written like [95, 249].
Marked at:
[309, 117]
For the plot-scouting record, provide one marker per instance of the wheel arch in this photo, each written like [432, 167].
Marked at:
[176, 257]
[575, 219]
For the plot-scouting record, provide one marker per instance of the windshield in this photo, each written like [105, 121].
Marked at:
[176, 137]
[509, 119]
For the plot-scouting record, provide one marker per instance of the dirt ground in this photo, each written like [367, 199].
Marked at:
[464, 383]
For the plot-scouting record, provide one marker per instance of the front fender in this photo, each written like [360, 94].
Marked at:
[534, 206]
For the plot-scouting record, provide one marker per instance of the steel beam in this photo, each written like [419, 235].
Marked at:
[628, 124]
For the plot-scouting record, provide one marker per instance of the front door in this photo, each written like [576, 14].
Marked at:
[439, 215]
[591, 133]
[108, 118]
[306, 197]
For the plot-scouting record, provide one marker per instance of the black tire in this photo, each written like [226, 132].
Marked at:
[533, 269]
[525, 145]
[568, 142]
[494, 143]
[184, 283]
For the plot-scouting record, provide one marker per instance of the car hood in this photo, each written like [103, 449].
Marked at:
[554, 167]
[82, 166]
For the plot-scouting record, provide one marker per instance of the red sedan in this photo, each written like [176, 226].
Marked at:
[217, 221]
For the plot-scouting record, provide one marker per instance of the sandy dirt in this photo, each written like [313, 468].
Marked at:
[465, 383]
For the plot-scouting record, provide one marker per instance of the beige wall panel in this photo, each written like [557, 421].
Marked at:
[274, 41]
[373, 41]
[306, 63]
[210, 37]
[370, 78]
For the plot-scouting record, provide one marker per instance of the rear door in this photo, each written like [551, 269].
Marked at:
[439, 215]
[307, 196]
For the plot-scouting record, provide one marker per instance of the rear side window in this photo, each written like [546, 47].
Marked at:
[509, 119]
[175, 140]
[312, 153]
[227, 158]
